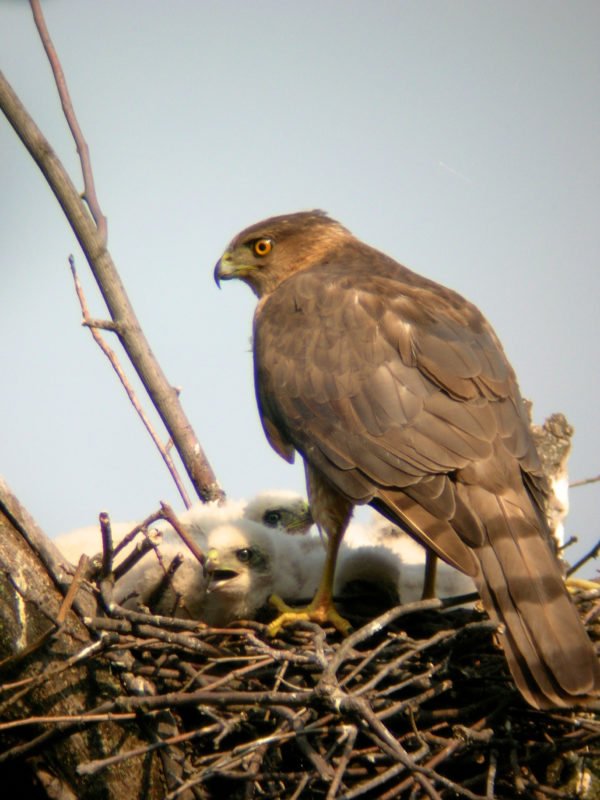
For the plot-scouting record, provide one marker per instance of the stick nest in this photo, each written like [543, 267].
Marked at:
[417, 702]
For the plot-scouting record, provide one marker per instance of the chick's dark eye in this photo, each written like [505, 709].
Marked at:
[244, 555]
[262, 247]
[272, 518]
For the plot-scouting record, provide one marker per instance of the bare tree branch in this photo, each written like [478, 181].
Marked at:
[93, 325]
[65, 99]
[163, 395]
[593, 553]
[584, 482]
[170, 517]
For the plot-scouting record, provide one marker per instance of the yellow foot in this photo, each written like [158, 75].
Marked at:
[315, 612]
[581, 584]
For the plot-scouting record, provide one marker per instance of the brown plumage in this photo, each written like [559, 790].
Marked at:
[397, 393]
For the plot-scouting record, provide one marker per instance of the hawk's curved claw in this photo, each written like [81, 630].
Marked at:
[315, 612]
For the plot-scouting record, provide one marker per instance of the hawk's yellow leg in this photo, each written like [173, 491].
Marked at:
[430, 575]
[321, 608]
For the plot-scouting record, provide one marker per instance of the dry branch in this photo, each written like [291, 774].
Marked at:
[585, 482]
[93, 326]
[124, 320]
[89, 194]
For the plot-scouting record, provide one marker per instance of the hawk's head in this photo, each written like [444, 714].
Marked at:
[264, 254]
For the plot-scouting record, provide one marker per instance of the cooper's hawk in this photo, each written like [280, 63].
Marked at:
[396, 392]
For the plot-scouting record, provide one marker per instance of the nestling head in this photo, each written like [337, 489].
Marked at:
[240, 571]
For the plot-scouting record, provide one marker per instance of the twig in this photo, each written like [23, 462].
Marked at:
[375, 626]
[171, 518]
[70, 718]
[73, 589]
[82, 148]
[137, 553]
[593, 553]
[414, 703]
[392, 666]
[295, 719]
[423, 775]
[211, 698]
[584, 482]
[349, 734]
[445, 753]
[375, 783]
[163, 395]
[300, 787]
[143, 618]
[93, 326]
[141, 526]
[92, 767]
[232, 676]
[166, 583]
[107, 544]
[570, 541]
[491, 775]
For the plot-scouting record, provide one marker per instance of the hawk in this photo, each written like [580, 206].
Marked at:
[396, 392]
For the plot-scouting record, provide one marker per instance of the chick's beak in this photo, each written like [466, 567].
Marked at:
[218, 573]
[302, 523]
[212, 561]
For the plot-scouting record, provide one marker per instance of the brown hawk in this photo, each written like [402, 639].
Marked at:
[396, 392]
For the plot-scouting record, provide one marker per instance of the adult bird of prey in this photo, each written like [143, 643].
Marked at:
[396, 392]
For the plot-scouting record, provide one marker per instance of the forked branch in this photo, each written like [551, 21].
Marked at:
[91, 237]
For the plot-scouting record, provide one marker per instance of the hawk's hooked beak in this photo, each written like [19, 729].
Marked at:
[225, 269]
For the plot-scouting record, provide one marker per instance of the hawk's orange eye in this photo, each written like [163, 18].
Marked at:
[262, 247]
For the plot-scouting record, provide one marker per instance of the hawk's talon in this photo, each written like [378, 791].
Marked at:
[316, 611]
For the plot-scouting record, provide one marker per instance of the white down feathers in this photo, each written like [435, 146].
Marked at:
[248, 560]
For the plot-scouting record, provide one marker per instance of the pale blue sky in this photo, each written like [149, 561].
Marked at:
[461, 138]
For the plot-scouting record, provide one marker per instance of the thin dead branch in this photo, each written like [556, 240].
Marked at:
[89, 194]
[584, 482]
[591, 554]
[93, 325]
[90, 237]
[171, 518]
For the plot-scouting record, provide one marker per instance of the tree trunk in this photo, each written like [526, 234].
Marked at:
[30, 601]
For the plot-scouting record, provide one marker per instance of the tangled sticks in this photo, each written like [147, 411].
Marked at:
[415, 703]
